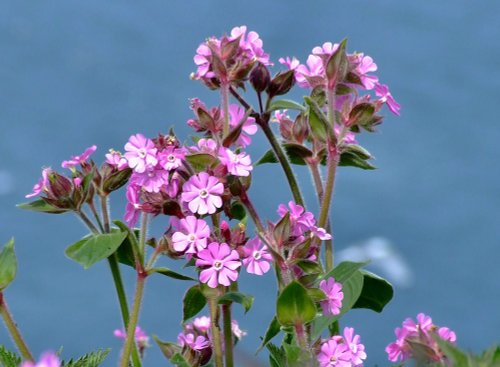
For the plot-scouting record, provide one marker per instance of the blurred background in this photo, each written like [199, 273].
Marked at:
[78, 73]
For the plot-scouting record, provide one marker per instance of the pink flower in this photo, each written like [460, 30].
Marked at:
[357, 349]
[334, 296]
[222, 263]
[290, 63]
[140, 337]
[42, 184]
[202, 192]
[206, 146]
[398, 349]
[171, 157]
[424, 324]
[134, 206]
[327, 49]
[202, 60]
[256, 257]
[236, 114]
[312, 74]
[300, 220]
[252, 44]
[116, 159]
[151, 179]
[334, 354]
[320, 233]
[237, 332]
[141, 153]
[447, 335]
[202, 324]
[194, 342]
[48, 359]
[191, 236]
[365, 66]
[236, 164]
[382, 91]
[79, 159]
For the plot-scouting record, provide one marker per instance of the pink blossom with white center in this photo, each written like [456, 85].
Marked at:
[300, 220]
[333, 290]
[198, 342]
[116, 159]
[191, 236]
[79, 159]
[48, 359]
[151, 179]
[327, 48]
[140, 153]
[236, 114]
[134, 206]
[203, 193]
[382, 91]
[256, 257]
[237, 164]
[312, 74]
[357, 349]
[171, 158]
[42, 184]
[290, 63]
[334, 354]
[365, 66]
[221, 262]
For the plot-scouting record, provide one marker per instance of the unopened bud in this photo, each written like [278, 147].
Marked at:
[260, 77]
[281, 84]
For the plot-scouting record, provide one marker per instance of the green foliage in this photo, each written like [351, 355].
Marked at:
[94, 248]
[320, 127]
[41, 206]
[92, 359]
[285, 104]
[168, 349]
[8, 358]
[277, 356]
[376, 293]
[170, 273]
[294, 305]
[273, 329]
[194, 301]
[245, 300]
[8, 265]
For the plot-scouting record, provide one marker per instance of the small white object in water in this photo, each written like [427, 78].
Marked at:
[384, 257]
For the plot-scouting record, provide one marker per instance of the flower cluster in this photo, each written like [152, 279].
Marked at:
[48, 359]
[417, 340]
[342, 351]
[333, 291]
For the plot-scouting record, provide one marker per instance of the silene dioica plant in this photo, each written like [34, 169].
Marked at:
[200, 192]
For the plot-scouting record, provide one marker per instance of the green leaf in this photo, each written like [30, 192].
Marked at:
[454, 354]
[41, 206]
[201, 161]
[238, 211]
[277, 356]
[194, 301]
[349, 159]
[376, 293]
[168, 349]
[296, 154]
[320, 127]
[344, 270]
[308, 266]
[179, 360]
[125, 252]
[337, 65]
[281, 232]
[94, 248]
[294, 305]
[8, 358]
[170, 273]
[273, 329]
[285, 104]
[8, 265]
[352, 284]
[245, 300]
[293, 353]
[93, 359]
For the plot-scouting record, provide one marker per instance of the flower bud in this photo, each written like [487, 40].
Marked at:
[260, 77]
[281, 84]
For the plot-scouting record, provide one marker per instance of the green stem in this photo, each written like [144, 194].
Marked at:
[224, 90]
[88, 222]
[142, 237]
[217, 342]
[228, 335]
[282, 158]
[105, 213]
[96, 216]
[134, 317]
[14, 331]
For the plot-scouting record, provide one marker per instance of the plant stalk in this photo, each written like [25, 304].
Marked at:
[228, 335]
[14, 331]
[224, 90]
[214, 310]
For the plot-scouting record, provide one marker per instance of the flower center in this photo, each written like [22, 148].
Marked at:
[257, 255]
[203, 193]
[171, 158]
[142, 153]
[333, 360]
[354, 347]
[218, 265]
[191, 237]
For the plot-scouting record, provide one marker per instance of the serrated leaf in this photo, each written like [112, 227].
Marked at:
[41, 206]
[94, 248]
[273, 329]
[8, 358]
[8, 265]
[178, 360]
[294, 305]
[93, 359]
[245, 300]
[285, 104]
[352, 285]
[376, 293]
[277, 356]
[193, 302]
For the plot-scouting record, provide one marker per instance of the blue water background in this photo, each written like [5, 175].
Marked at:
[77, 73]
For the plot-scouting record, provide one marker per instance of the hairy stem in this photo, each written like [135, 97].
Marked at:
[228, 335]
[105, 213]
[14, 330]
[217, 342]
[224, 90]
